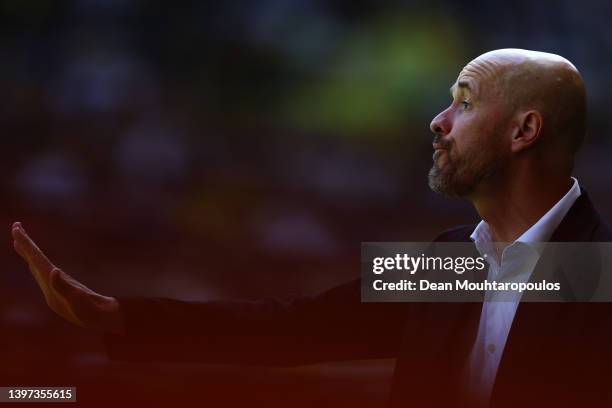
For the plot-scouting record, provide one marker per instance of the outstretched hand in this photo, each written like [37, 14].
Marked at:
[66, 296]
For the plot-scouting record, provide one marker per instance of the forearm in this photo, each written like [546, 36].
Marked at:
[334, 325]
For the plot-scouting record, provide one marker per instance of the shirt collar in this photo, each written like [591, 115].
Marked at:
[539, 232]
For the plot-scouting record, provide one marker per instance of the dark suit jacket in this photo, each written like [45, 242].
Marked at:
[557, 353]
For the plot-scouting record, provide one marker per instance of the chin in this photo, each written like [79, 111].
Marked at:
[444, 184]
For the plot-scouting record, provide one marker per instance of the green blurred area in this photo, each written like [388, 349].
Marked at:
[380, 78]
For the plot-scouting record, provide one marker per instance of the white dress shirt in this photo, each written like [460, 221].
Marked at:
[517, 263]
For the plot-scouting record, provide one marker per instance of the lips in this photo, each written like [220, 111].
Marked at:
[440, 157]
[438, 153]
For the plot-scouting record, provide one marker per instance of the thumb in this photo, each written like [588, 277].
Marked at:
[64, 296]
[59, 282]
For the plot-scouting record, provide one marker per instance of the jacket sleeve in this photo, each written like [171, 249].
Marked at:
[331, 326]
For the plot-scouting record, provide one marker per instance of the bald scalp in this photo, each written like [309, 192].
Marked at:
[547, 83]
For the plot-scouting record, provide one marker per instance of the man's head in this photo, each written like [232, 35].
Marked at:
[509, 106]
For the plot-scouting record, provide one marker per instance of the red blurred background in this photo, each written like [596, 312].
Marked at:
[237, 150]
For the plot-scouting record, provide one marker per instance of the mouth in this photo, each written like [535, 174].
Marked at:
[438, 152]
[440, 158]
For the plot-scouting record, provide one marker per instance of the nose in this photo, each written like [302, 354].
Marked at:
[440, 125]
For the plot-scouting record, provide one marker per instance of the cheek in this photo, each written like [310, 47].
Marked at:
[477, 129]
[472, 141]
[501, 138]
[464, 136]
[466, 125]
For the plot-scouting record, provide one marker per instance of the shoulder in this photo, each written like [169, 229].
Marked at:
[582, 223]
[459, 233]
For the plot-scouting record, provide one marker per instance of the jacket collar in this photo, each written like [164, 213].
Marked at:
[579, 223]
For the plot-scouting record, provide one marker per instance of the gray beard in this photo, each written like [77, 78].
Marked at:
[454, 183]
[444, 184]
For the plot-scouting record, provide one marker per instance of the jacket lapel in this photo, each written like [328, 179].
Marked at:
[536, 325]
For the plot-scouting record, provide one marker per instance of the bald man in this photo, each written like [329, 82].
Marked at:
[506, 143]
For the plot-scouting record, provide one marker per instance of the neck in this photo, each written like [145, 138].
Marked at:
[512, 206]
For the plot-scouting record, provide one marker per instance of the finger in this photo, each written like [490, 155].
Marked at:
[60, 283]
[66, 284]
[15, 228]
[64, 294]
[35, 258]
[18, 249]
[31, 250]
[42, 279]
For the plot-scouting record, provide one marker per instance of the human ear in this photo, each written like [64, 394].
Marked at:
[528, 130]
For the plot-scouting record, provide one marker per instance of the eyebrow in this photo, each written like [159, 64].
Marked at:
[460, 84]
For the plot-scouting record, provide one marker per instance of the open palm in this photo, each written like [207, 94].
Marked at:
[66, 296]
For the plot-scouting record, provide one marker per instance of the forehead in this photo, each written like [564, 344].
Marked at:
[477, 76]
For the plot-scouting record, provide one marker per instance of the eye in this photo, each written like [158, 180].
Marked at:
[465, 104]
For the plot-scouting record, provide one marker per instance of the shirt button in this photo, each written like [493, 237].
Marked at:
[491, 348]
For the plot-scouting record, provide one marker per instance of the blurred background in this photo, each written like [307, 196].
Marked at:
[239, 149]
